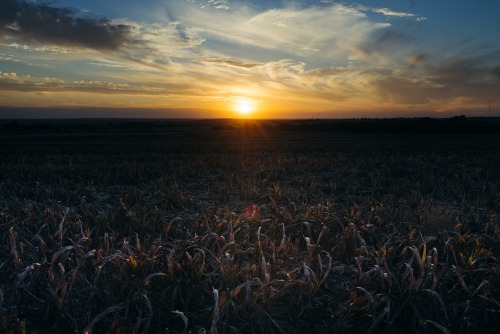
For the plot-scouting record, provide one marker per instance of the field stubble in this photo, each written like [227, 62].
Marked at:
[244, 229]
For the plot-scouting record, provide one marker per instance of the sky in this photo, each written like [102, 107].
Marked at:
[261, 59]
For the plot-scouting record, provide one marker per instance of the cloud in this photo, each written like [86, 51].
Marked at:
[421, 79]
[219, 4]
[100, 84]
[388, 12]
[496, 73]
[12, 59]
[392, 37]
[315, 32]
[415, 60]
[53, 49]
[10, 81]
[385, 47]
[456, 78]
[391, 13]
[173, 34]
[333, 31]
[26, 83]
[28, 79]
[458, 70]
[232, 63]
[60, 26]
[111, 65]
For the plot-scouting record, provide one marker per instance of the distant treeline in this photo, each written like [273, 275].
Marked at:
[84, 125]
[456, 124]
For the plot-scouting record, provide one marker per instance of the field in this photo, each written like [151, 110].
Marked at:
[232, 226]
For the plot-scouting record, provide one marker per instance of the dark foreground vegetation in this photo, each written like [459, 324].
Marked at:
[247, 227]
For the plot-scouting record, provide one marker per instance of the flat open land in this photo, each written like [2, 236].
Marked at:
[234, 226]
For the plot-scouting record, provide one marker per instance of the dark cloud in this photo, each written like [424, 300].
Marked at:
[402, 90]
[416, 60]
[456, 70]
[60, 26]
[390, 37]
[473, 78]
[496, 73]
[386, 41]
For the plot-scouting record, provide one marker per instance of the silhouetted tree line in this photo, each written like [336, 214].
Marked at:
[457, 124]
[84, 125]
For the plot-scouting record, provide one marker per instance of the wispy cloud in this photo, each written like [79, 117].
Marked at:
[114, 65]
[99, 83]
[329, 32]
[26, 83]
[233, 63]
[388, 12]
[36, 48]
[219, 4]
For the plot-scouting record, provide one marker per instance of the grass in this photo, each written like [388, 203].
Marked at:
[230, 228]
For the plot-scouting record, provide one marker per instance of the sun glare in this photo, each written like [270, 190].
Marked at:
[244, 107]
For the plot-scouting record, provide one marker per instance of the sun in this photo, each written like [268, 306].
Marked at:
[244, 107]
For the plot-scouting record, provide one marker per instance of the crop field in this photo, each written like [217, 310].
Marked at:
[232, 226]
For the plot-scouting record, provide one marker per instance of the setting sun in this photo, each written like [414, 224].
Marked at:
[244, 107]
